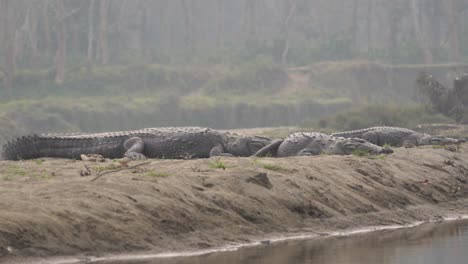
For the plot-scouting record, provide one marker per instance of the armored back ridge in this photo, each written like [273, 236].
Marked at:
[396, 136]
[306, 144]
[167, 142]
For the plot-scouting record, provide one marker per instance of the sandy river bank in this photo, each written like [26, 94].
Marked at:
[49, 209]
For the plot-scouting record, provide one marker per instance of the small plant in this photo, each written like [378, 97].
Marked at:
[386, 145]
[156, 174]
[218, 164]
[273, 167]
[437, 146]
[360, 152]
[39, 161]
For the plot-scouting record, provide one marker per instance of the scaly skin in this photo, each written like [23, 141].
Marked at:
[397, 136]
[306, 144]
[168, 142]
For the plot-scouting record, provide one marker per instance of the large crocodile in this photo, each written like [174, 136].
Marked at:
[168, 142]
[397, 136]
[306, 144]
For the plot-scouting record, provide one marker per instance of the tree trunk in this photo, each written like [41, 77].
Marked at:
[61, 44]
[47, 33]
[103, 45]
[33, 32]
[91, 34]
[355, 28]
[420, 37]
[220, 23]
[395, 18]
[286, 27]
[436, 24]
[454, 34]
[370, 14]
[188, 37]
[143, 29]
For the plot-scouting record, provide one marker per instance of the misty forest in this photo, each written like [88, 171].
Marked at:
[95, 65]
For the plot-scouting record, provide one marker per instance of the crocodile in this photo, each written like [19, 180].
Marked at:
[312, 143]
[165, 142]
[397, 137]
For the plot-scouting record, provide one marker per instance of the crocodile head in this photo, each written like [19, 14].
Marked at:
[439, 140]
[352, 145]
[245, 146]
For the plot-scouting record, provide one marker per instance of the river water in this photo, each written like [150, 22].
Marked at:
[445, 243]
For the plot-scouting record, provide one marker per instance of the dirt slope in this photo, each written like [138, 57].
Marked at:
[47, 208]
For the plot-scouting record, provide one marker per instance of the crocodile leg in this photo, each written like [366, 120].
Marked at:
[270, 148]
[134, 148]
[219, 151]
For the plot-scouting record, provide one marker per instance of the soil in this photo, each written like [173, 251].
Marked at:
[54, 207]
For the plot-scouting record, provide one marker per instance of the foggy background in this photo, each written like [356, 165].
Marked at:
[94, 65]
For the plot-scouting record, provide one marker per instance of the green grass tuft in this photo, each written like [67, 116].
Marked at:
[360, 153]
[218, 164]
[377, 157]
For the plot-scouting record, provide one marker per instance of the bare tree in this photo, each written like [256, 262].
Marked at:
[46, 27]
[8, 14]
[143, 5]
[102, 52]
[250, 19]
[60, 56]
[370, 22]
[220, 16]
[291, 7]
[187, 13]
[90, 33]
[355, 25]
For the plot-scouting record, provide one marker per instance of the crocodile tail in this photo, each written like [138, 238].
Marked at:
[270, 148]
[25, 147]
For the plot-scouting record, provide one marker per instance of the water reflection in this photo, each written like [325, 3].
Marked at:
[428, 244]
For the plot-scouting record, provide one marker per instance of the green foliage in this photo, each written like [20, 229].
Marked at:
[134, 78]
[260, 74]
